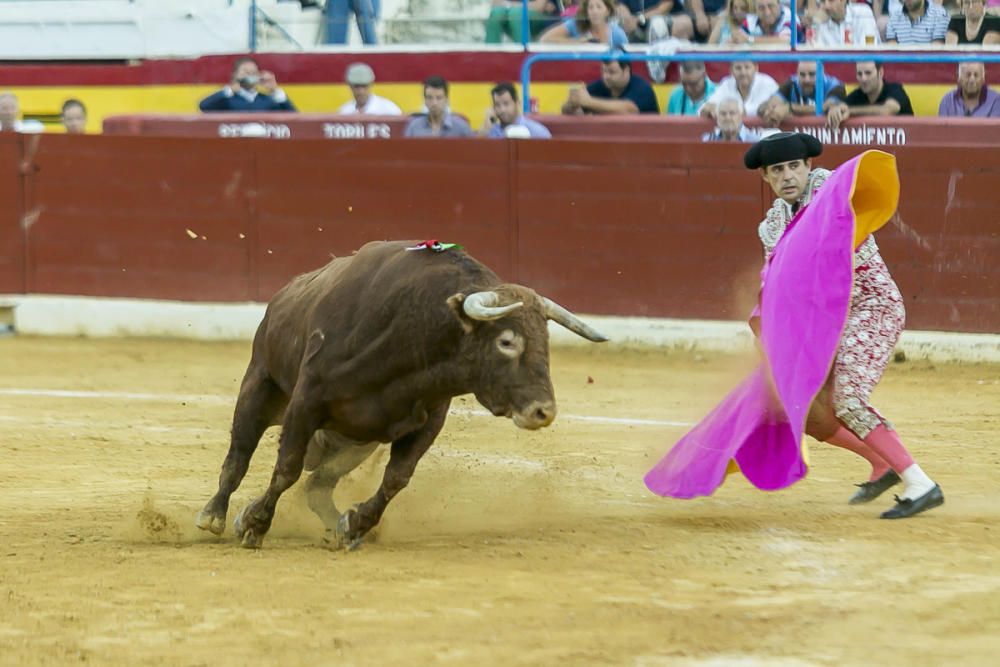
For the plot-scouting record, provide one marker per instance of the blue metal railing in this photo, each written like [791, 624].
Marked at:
[760, 57]
[253, 26]
[795, 27]
[525, 25]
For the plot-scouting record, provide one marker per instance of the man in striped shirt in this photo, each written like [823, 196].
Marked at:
[917, 22]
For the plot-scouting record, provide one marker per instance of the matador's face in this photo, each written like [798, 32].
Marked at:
[788, 179]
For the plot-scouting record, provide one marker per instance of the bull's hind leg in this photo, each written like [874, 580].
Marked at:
[403, 458]
[302, 418]
[259, 403]
[339, 457]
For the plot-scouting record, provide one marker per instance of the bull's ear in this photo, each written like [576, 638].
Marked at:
[455, 302]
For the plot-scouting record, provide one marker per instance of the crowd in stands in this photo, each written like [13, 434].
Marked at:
[618, 90]
[746, 92]
[821, 23]
[827, 23]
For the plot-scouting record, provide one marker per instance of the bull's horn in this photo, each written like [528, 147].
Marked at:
[560, 315]
[483, 306]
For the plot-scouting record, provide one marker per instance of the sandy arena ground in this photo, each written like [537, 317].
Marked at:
[508, 547]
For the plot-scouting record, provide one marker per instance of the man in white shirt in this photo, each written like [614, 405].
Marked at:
[847, 23]
[10, 112]
[360, 78]
[745, 84]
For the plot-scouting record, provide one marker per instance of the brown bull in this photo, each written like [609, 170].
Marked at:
[371, 349]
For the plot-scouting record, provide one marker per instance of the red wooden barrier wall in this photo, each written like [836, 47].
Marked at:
[11, 211]
[869, 131]
[624, 228]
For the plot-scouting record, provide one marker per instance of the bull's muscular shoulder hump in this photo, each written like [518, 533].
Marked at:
[378, 281]
[388, 265]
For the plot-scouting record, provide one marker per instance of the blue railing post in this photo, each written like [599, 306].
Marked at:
[526, 84]
[253, 26]
[525, 26]
[820, 85]
[795, 32]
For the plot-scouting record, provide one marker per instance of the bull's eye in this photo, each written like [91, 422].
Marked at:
[510, 344]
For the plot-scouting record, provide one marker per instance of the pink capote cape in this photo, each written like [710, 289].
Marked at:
[805, 298]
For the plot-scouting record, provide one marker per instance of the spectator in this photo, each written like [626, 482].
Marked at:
[705, 13]
[249, 89]
[639, 16]
[974, 26]
[74, 116]
[504, 118]
[695, 88]
[882, 10]
[729, 123]
[360, 78]
[10, 116]
[618, 91]
[917, 22]
[745, 83]
[338, 14]
[847, 23]
[731, 26]
[591, 24]
[874, 96]
[505, 19]
[797, 95]
[972, 98]
[771, 24]
[439, 121]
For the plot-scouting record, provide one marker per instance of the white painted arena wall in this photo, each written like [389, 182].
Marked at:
[132, 29]
[45, 315]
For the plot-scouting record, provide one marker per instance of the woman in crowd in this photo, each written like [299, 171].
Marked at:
[592, 24]
[731, 29]
[974, 26]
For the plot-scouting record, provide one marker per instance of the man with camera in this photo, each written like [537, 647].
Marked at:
[249, 90]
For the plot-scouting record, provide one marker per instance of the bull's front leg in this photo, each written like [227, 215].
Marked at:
[259, 402]
[302, 418]
[403, 458]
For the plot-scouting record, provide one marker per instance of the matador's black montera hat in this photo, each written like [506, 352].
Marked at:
[782, 147]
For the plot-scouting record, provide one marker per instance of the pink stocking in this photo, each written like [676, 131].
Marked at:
[844, 438]
[887, 444]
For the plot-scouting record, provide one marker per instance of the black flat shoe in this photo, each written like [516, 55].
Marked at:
[869, 491]
[906, 507]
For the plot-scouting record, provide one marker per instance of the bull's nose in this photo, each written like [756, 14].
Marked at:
[537, 415]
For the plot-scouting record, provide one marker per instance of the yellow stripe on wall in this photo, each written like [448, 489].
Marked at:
[469, 99]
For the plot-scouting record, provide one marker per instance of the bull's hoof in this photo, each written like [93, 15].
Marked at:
[251, 540]
[331, 540]
[210, 521]
[251, 536]
[348, 533]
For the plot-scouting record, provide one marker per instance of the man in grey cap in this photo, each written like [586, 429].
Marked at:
[360, 78]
